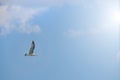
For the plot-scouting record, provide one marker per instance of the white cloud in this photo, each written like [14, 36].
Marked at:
[74, 33]
[77, 33]
[103, 18]
[93, 31]
[13, 15]
[17, 18]
[43, 2]
[50, 3]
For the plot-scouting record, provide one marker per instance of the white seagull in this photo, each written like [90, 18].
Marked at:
[31, 51]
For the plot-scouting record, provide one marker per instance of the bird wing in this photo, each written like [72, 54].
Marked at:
[31, 51]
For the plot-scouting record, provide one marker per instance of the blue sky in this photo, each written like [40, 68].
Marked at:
[75, 40]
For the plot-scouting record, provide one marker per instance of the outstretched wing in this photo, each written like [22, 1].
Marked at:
[31, 51]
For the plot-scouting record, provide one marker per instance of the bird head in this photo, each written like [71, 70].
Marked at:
[33, 42]
[25, 54]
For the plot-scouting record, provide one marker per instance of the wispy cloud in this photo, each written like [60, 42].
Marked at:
[17, 18]
[49, 3]
[74, 33]
[77, 33]
[92, 31]
[102, 16]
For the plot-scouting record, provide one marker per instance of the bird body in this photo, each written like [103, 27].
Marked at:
[31, 51]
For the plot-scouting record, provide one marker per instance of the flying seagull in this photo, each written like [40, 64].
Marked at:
[31, 51]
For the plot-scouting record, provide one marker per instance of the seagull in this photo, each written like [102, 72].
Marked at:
[31, 51]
